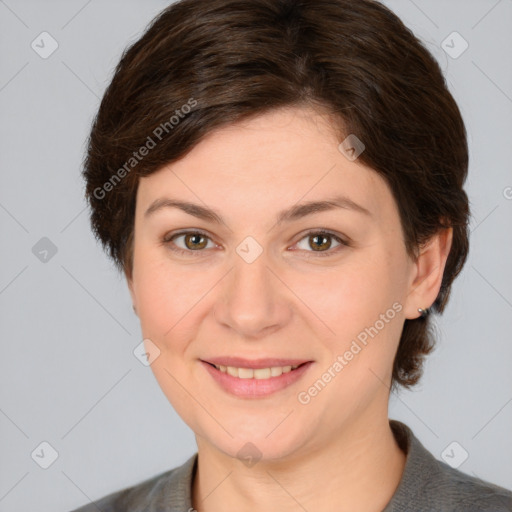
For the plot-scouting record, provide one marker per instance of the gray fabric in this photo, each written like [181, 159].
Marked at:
[427, 485]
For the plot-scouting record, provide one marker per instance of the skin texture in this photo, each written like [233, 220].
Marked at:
[290, 302]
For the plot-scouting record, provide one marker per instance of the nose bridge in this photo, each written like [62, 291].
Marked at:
[252, 301]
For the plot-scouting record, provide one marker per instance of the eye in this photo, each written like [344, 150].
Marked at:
[321, 242]
[192, 241]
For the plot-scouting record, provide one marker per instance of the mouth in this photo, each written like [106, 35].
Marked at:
[255, 379]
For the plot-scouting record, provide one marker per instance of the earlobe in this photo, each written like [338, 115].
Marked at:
[428, 277]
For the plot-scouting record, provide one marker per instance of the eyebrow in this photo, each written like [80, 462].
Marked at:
[297, 211]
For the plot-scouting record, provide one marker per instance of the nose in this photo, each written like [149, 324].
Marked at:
[253, 301]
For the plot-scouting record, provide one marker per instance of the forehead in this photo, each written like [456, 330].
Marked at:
[258, 166]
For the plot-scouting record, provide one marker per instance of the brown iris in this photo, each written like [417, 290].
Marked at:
[194, 238]
[320, 242]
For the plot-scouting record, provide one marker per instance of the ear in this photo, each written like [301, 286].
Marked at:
[129, 282]
[427, 274]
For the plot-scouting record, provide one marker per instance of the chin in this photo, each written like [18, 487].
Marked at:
[251, 446]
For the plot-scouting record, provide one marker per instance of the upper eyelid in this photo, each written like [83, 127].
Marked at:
[170, 236]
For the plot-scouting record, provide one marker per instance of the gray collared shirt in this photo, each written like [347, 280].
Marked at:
[427, 485]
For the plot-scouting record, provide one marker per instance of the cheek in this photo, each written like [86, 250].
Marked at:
[162, 293]
[172, 300]
[350, 297]
[360, 310]
[168, 304]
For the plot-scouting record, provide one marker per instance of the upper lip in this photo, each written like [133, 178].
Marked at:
[240, 362]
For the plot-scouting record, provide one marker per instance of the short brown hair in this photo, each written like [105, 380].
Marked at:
[234, 59]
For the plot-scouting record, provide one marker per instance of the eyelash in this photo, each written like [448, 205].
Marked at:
[322, 232]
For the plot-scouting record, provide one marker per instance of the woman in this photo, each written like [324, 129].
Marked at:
[281, 183]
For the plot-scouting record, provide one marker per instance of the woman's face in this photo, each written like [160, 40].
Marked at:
[260, 281]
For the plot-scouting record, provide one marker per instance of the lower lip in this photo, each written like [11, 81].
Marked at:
[253, 388]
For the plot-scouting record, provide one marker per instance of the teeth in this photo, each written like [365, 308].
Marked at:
[252, 373]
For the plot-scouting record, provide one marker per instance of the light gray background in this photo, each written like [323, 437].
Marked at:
[69, 376]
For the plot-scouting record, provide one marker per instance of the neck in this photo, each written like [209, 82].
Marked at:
[359, 469]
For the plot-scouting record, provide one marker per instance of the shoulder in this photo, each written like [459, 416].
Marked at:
[166, 491]
[456, 491]
[128, 498]
[429, 484]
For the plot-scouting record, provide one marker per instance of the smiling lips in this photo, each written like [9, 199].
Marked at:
[256, 378]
